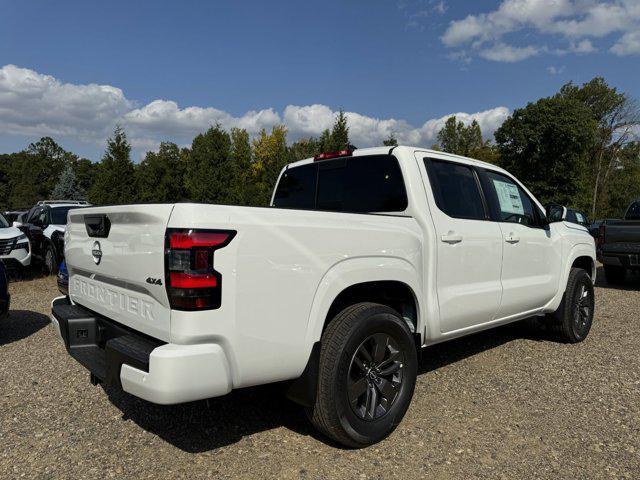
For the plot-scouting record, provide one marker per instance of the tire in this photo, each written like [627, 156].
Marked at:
[341, 412]
[574, 317]
[50, 261]
[614, 274]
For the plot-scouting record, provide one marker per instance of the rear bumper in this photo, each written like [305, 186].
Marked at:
[627, 260]
[158, 372]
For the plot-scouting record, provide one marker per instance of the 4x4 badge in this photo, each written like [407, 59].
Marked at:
[154, 281]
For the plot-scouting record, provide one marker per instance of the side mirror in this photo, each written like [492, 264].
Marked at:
[17, 224]
[556, 213]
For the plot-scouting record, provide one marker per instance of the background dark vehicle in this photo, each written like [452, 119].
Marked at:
[618, 244]
[44, 225]
[4, 291]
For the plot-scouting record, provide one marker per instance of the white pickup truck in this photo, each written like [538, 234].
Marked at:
[363, 258]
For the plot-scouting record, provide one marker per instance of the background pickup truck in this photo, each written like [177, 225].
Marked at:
[619, 244]
[363, 257]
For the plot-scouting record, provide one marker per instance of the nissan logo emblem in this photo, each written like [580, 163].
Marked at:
[96, 252]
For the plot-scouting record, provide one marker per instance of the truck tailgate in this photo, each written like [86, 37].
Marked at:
[116, 268]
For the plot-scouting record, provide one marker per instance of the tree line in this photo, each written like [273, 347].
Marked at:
[578, 147]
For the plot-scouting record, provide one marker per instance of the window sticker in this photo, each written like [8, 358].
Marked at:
[580, 218]
[509, 197]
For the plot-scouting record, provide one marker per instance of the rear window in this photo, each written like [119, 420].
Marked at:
[354, 184]
[633, 213]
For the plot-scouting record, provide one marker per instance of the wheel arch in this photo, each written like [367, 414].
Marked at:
[390, 281]
[382, 280]
[581, 255]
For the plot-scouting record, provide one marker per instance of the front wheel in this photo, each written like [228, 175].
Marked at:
[367, 374]
[50, 261]
[574, 317]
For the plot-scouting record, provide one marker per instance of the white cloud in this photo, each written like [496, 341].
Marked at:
[164, 117]
[629, 44]
[573, 22]
[34, 104]
[556, 70]
[501, 52]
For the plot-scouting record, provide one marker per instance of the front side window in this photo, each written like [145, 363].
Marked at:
[510, 202]
[456, 189]
[367, 184]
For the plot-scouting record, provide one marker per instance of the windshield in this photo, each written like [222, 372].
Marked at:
[59, 215]
[3, 222]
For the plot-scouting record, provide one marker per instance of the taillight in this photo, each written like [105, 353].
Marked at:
[192, 282]
[328, 155]
[601, 234]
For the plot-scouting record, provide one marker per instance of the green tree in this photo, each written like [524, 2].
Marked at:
[160, 176]
[241, 161]
[304, 148]
[457, 138]
[270, 155]
[209, 173]
[30, 175]
[546, 145]
[624, 182]
[115, 177]
[85, 171]
[460, 139]
[67, 187]
[390, 141]
[339, 139]
[617, 118]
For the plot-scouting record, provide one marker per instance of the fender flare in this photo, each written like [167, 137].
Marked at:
[338, 278]
[350, 272]
[578, 250]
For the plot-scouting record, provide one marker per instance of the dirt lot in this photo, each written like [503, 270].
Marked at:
[510, 403]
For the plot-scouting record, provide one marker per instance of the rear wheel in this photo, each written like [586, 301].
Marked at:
[614, 274]
[50, 261]
[574, 317]
[368, 366]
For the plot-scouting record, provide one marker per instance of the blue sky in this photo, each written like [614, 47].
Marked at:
[167, 70]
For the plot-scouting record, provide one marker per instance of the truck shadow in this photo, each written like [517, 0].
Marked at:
[207, 425]
[20, 324]
[631, 282]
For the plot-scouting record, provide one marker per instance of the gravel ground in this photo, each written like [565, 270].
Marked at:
[510, 403]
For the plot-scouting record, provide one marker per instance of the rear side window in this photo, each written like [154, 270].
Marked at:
[361, 184]
[297, 188]
[510, 202]
[456, 189]
[367, 184]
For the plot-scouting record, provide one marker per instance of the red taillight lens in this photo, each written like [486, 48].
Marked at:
[192, 283]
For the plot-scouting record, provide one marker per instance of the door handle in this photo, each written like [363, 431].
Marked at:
[512, 238]
[451, 238]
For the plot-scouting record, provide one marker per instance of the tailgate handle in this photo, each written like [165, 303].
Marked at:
[97, 225]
